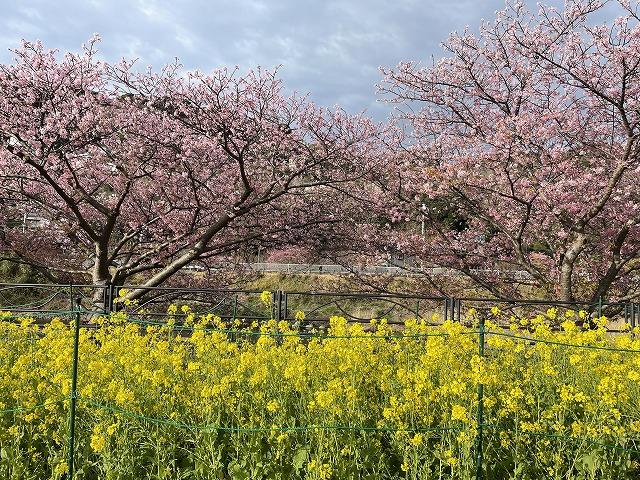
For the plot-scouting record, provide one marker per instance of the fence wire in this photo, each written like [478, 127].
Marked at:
[74, 400]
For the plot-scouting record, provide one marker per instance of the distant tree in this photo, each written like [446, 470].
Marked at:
[138, 175]
[528, 135]
[295, 254]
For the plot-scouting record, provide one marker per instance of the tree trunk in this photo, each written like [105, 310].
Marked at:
[566, 266]
[101, 278]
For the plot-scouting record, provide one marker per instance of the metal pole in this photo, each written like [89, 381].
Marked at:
[600, 306]
[446, 309]
[279, 305]
[74, 390]
[105, 298]
[453, 309]
[111, 296]
[626, 312]
[274, 299]
[286, 305]
[234, 313]
[480, 416]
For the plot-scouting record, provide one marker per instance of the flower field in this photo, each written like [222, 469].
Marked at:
[209, 400]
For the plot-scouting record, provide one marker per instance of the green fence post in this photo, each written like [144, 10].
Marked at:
[110, 292]
[274, 303]
[600, 306]
[285, 308]
[480, 416]
[74, 391]
[453, 309]
[234, 315]
[235, 306]
[279, 305]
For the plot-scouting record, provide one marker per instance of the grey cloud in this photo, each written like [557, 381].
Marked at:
[332, 49]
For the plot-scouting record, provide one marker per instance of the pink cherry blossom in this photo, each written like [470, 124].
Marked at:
[528, 133]
[137, 175]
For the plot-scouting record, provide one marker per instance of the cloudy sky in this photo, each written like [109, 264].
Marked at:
[331, 49]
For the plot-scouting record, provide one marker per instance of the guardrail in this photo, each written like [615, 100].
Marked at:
[405, 270]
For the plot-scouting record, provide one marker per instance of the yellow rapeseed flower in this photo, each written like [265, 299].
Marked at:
[459, 413]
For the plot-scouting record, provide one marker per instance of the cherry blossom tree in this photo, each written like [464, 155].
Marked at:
[132, 175]
[519, 154]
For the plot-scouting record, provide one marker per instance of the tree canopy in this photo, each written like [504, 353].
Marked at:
[530, 131]
[143, 173]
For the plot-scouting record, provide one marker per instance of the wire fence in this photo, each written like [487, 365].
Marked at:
[318, 306]
[482, 428]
